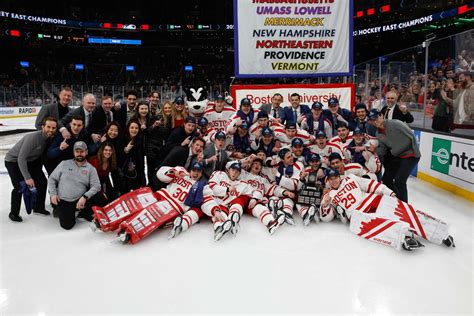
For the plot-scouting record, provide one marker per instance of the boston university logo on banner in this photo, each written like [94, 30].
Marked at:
[293, 38]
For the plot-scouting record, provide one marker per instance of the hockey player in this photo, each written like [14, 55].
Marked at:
[241, 141]
[262, 190]
[343, 138]
[336, 162]
[312, 179]
[225, 198]
[266, 142]
[316, 121]
[363, 152]
[285, 136]
[287, 175]
[323, 148]
[245, 114]
[337, 115]
[298, 150]
[171, 203]
[376, 214]
[219, 113]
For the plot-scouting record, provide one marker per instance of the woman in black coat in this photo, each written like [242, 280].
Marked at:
[130, 159]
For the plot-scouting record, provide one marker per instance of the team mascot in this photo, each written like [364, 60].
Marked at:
[197, 100]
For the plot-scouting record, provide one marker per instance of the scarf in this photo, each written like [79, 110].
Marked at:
[310, 122]
[282, 171]
[246, 117]
[195, 195]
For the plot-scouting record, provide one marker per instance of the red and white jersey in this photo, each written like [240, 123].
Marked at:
[288, 182]
[354, 193]
[260, 183]
[218, 185]
[178, 188]
[358, 170]
[372, 162]
[280, 134]
[325, 152]
[339, 142]
[219, 120]
[256, 130]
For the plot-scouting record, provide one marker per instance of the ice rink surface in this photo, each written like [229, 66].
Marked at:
[321, 269]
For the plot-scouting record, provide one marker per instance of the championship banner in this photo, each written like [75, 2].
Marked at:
[293, 38]
[262, 94]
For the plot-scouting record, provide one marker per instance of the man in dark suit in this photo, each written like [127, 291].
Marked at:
[103, 115]
[181, 136]
[393, 111]
[86, 111]
[296, 111]
[56, 110]
[215, 157]
[184, 156]
[274, 109]
[123, 111]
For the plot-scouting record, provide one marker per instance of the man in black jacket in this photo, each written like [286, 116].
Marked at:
[86, 111]
[56, 110]
[103, 115]
[393, 111]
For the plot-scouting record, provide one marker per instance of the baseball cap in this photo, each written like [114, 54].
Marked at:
[358, 131]
[317, 105]
[332, 173]
[234, 165]
[333, 101]
[283, 152]
[220, 135]
[245, 101]
[321, 134]
[290, 125]
[203, 121]
[219, 97]
[373, 114]
[334, 156]
[297, 142]
[244, 125]
[190, 119]
[197, 166]
[179, 100]
[262, 114]
[267, 131]
[80, 145]
[312, 157]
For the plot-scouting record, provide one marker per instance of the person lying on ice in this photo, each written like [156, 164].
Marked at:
[172, 202]
[376, 214]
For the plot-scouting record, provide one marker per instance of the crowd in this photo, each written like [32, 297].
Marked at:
[230, 160]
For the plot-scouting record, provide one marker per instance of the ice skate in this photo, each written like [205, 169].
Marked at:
[341, 214]
[411, 243]
[274, 206]
[280, 217]
[221, 228]
[289, 219]
[308, 217]
[177, 227]
[235, 219]
[449, 241]
[273, 226]
[124, 237]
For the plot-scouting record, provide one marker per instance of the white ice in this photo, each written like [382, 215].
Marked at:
[319, 269]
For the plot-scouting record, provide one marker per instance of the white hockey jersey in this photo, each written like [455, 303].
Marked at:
[218, 185]
[177, 189]
[261, 184]
[219, 120]
[288, 182]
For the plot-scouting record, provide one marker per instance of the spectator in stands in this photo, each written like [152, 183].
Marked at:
[464, 100]
[361, 120]
[399, 149]
[215, 156]
[142, 115]
[124, 111]
[103, 116]
[295, 112]
[24, 163]
[179, 112]
[86, 111]
[104, 163]
[111, 135]
[155, 138]
[393, 111]
[130, 158]
[56, 110]
[61, 148]
[274, 109]
[154, 101]
[74, 186]
[335, 115]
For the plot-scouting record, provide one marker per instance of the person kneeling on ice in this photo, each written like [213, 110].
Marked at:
[376, 214]
[171, 202]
